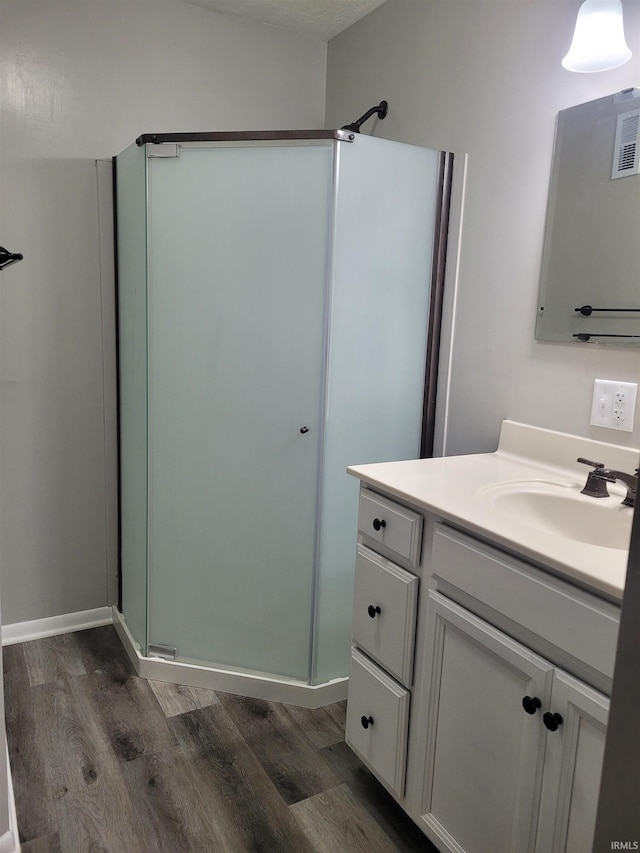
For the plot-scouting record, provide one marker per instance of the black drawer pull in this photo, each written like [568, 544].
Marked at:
[373, 611]
[379, 523]
[366, 722]
[531, 704]
[552, 721]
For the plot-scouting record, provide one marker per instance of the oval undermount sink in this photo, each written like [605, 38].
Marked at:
[564, 511]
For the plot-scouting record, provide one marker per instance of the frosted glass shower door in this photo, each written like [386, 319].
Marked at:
[237, 268]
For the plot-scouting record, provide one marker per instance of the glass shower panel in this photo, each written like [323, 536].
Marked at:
[132, 344]
[384, 228]
[238, 264]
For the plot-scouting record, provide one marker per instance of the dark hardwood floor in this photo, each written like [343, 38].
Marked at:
[103, 760]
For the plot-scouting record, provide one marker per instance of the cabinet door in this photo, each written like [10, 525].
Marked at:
[573, 764]
[485, 753]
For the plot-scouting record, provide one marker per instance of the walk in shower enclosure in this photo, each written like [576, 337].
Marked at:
[273, 302]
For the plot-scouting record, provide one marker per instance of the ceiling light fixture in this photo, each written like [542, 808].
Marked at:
[598, 41]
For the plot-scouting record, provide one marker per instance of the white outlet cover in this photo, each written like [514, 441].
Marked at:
[614, 404]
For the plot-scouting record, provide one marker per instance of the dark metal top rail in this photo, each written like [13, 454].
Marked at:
[243, 136]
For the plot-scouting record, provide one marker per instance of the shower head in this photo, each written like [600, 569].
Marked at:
[7, 258]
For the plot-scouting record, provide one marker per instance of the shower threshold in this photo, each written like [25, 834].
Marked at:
[257, 685]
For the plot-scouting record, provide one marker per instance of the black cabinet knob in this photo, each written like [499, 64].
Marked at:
[552, 721]
[379, 523]
[366, 722]
[304, 430]
[373, 611]
[531, 704]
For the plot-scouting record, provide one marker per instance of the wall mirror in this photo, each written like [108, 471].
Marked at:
[590, 282]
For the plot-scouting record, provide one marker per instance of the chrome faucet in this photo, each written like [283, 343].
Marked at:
[596, 485]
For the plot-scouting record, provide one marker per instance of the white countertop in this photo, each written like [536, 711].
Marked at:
[452, 489]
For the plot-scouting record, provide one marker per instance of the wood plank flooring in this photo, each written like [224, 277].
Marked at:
[103, 760]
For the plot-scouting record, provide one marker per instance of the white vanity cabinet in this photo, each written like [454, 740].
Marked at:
[515, 730]
[514, 745]
[481, 700]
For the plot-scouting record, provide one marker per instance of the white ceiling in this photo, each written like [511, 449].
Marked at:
[321, 18]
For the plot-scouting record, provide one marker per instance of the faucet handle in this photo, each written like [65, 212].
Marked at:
[595, 465]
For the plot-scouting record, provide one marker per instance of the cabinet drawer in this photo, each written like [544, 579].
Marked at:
[384, 613]
[377, 721]
[567, 618]
[398, 529]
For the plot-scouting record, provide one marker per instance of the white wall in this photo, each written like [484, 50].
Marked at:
[484, 77]
[79, 80]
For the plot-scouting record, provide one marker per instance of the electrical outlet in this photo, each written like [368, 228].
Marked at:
[614, 404]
